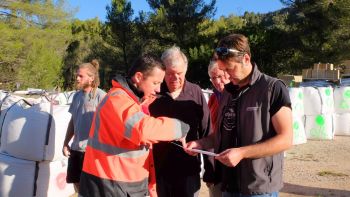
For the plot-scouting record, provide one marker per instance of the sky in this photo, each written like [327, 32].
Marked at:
[88, 9]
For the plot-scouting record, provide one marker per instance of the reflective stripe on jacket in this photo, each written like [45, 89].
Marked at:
[120, 137]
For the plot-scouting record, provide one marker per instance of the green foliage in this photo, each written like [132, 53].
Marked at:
[27, 28]
[185, 23]
[321, 29]
[121, 30]
[41, 46]
[199, 58]
[41, 68]
[178, 22]
[33, 13]
[85, 44]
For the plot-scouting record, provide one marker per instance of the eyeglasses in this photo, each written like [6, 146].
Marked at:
[222, 52]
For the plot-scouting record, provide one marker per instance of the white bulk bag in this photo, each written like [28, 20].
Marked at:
[57, 98]
[299, 136]
[35, 133]
[8, 101]
[62, 98]
[318, 100]
[28, 178]
[70, 96]
[3, 94]
[16, 177]
[319, 126]
[342, 124]
[297, 98]
[52, 179]
[342, 99]
[326, 94]
[312, 101]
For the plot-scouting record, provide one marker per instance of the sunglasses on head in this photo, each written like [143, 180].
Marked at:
[223, 51]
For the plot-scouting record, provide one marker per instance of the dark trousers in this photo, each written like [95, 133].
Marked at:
[92, 186]
[187, 186]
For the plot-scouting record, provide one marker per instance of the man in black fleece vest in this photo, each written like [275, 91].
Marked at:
[254, 124]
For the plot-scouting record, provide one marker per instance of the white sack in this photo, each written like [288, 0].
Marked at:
[17, 178]
[319, 126]
[342, 124]
[327, 99]
[299, 136]
[342, 99]
[8, 101]
[2, 95]
[318, 100]
[312, 101]
[297, 98]
[24, 132]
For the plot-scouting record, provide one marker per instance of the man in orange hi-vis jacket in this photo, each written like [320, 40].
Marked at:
[117, 159]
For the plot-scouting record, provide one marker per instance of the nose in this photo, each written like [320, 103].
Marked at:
[157, 89]
[175, 77]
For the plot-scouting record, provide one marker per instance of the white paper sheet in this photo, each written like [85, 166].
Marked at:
[198, 150]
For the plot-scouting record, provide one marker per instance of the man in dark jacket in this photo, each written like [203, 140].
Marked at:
[255, 124]
[177, 173]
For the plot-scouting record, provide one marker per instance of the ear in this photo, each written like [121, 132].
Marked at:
[246, 59]
[138, 77]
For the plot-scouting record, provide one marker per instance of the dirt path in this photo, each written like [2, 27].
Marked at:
[317, 168]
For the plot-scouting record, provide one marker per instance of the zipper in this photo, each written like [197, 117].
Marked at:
[238, 143]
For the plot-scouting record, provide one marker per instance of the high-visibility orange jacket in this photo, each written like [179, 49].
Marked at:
[117, 159]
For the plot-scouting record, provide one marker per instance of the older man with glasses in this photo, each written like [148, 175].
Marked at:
[254, 124]
[211, 174]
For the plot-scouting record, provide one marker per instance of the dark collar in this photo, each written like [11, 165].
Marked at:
[255, 75]
[127, 84]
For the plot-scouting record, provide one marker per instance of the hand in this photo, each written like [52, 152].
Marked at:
[191, 145]
[183, 141]
[230, 157]
[66, 150]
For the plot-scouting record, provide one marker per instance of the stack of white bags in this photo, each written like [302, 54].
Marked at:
[320, 112]
[342, 110]
[319, 108]
[32, 135]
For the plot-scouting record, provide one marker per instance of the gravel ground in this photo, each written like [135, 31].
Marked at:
[317, 168]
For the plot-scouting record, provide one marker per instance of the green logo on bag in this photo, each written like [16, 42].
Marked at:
[296, 125]
[300, 96]
[319, 132]
[344, 103]
[346, 94]
[319, 120]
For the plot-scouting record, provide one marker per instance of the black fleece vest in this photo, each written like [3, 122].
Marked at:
[264, 175]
